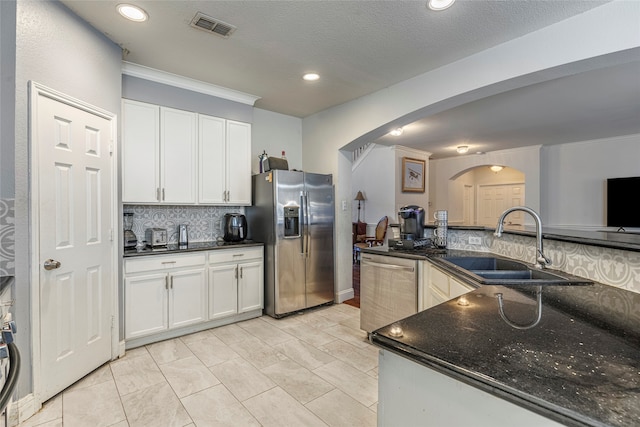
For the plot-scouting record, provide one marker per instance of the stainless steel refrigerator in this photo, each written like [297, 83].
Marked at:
[292, 214]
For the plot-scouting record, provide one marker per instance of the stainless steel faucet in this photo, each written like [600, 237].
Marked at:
[541, 259]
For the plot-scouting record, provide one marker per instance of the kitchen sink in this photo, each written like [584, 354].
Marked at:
[499, 271]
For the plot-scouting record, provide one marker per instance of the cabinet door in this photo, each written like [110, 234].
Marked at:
[188, 297]
[238, 163]
[223, 290]
[212, 159]
[435, 297]
[140, 152]
[145, 305]
[250, 286]
[178, 142]
[456, 288]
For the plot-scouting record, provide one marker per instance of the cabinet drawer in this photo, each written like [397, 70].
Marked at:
[163, 262]
[235, 255]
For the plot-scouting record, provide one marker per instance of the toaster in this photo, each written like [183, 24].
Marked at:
[156, 237]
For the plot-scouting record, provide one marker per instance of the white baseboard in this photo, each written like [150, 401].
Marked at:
[21, 410]
[342, 296]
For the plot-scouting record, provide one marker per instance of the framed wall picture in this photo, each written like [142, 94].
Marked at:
[413, 178]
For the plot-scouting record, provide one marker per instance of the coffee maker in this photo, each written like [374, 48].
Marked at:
[411, 222]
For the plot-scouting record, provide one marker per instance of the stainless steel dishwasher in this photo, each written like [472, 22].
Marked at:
[388, 290]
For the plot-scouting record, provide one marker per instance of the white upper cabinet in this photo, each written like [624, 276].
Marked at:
[178, 142]
[140, 152]
[225, 161]
[238, 163]
[178, 157]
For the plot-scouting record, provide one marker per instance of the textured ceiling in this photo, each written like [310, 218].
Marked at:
[358, 47]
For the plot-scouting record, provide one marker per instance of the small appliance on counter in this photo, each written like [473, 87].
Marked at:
[235, 227]
[183, 235]
[156, 237]
[130, 239]
[411, 222]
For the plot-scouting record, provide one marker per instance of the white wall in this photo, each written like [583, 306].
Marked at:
[573, 187]
[58, 50]
[568, 47]
[373, 174]
[273, 133]
[410, 198]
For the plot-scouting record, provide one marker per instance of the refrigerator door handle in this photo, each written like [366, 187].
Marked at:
[307, 227]
[301, 220]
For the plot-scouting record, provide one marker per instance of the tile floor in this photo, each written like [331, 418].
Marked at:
[311, 369]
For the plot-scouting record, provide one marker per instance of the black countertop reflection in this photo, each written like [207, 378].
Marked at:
[191, 247]
[580, 365]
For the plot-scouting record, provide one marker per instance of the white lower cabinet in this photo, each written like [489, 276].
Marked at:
[236, 282]
[439, 287]
[164, 292]
[172, 291]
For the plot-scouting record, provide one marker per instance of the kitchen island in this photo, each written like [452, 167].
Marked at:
[579, 365]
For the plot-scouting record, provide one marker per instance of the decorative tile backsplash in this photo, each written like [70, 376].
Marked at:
[205, 223]
[613, 267]
[7, 237]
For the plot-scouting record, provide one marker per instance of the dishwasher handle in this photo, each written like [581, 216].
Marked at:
[389, 266]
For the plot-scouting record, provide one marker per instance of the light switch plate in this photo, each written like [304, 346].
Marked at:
[344, 205]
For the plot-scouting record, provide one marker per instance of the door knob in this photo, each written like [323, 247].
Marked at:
[51, 264]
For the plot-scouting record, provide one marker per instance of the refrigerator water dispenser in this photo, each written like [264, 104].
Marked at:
[291, 221]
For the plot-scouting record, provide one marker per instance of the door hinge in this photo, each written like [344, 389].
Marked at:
[110, 149]
[111, 234]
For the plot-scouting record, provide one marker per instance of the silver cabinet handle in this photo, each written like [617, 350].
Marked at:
[158, 194]
[241, 272]
[163, 194]
[51, 264]
[166, 282]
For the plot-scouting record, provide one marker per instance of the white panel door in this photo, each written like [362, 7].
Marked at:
[238, 163]
[212, 159]
[223, 291]
[188, 297]
[75, 257]
[140, 152]
[494, 199]
[178, 148]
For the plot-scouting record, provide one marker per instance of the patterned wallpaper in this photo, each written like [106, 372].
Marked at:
[7, 237]
[205, 223]
[613, 267]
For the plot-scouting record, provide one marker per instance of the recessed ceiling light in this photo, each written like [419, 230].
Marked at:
[396, 132]
[131, 12]
[462, 149]
[439, 4]
[311, 77]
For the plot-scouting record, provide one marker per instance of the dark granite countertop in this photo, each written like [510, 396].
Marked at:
[602, 238]
[580, 365]
[191, 247]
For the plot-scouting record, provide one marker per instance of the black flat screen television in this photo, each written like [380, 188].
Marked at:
[621, 202]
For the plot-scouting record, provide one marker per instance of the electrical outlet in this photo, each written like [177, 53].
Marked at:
[344, 205]
[475, 240]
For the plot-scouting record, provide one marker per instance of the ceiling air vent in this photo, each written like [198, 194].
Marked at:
[212, 25]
